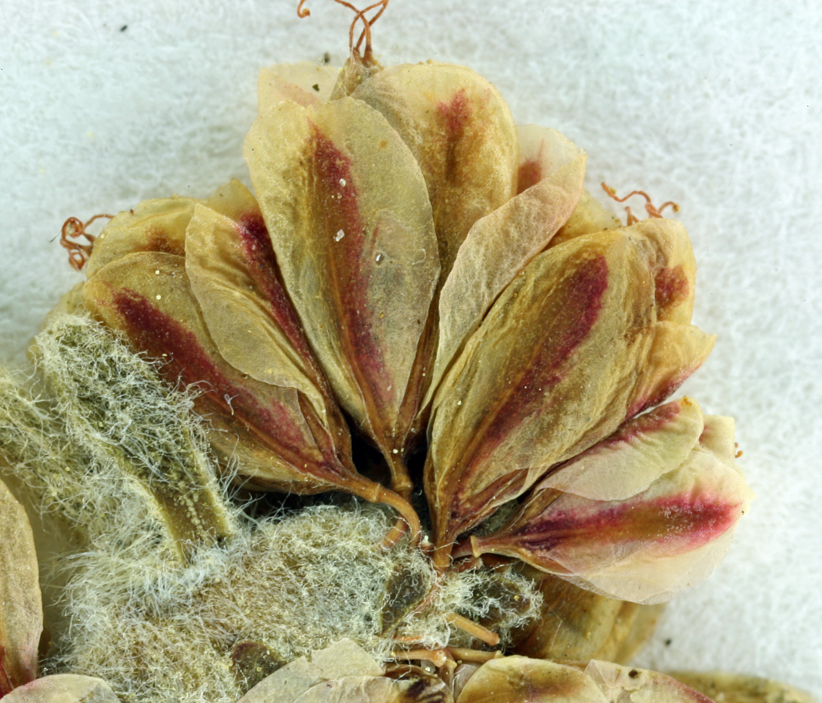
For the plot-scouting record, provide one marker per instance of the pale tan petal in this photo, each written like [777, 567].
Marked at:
[160, 225]
[672, 263]
[460, 131]
[369, 689]
[718, 438]
[348, 213]
[676, 352]
[21, 607]
[643, 549]
[64, 688]
[523, 680]
[740, 688]
[233, 275]
[154, 225]
[575, 624]
[236, 202]
[305, 83]
[621, 684]
[500, 245]
[640, 631]
[344, 658]
[547, 375]
[632, 458]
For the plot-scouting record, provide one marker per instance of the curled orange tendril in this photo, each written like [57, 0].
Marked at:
[74, 228]
[365, 35]
[649, 206]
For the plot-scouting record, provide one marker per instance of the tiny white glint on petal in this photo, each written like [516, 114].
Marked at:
[340, 234]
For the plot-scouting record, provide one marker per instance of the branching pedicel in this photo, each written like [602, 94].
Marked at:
[418, 269]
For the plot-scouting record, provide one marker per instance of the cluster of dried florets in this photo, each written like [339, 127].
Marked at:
[417, 267]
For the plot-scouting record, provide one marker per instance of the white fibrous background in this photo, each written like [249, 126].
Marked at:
[714, 105]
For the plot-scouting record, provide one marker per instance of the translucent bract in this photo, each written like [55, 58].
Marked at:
[416, 262]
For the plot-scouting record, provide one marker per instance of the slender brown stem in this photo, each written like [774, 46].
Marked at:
[475, 630]
[463, 654]
[395, 535]
[466, 548]
[375, 493]
[407, 513]
[438, 657]
[400, 480]
[442, 557]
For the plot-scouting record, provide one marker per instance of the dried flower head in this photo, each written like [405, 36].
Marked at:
[419, 270]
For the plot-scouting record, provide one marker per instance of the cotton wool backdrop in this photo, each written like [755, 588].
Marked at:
[714, 105]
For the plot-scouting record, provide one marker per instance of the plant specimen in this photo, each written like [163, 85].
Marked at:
[418, 269]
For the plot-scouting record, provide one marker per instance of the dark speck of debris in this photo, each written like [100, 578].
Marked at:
[316, 87]
[124, 28]
[668, 643]
[326, 58]
[633, 673]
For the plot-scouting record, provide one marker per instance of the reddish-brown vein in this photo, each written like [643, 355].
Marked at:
[682, 522]
[264, 270]
[526, 393]
[337, 207]
[162, 337]
[529, 174]
[651, 422]
[671, 286]
[157, 240]
[453, 116]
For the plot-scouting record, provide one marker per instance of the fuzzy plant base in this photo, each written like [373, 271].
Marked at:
[714, 105]
[174, 593]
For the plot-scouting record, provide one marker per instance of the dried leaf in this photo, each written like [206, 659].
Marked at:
[344, 658]
[64, 688]
[117, 408]
[740, 688]
[348, 213]
[461, 132]
[21, 608]
[499, 245]
[578, 625]
[548, 373]
[644, 548]
[520, 680]
[305, 83]
[274, 433]
[620, 684]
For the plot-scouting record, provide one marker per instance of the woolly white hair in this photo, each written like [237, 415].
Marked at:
[178, 595]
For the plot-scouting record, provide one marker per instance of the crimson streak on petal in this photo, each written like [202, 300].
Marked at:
[348, 248]
[161, 336]
[582, 297]
[262, 266]
[677, 523]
